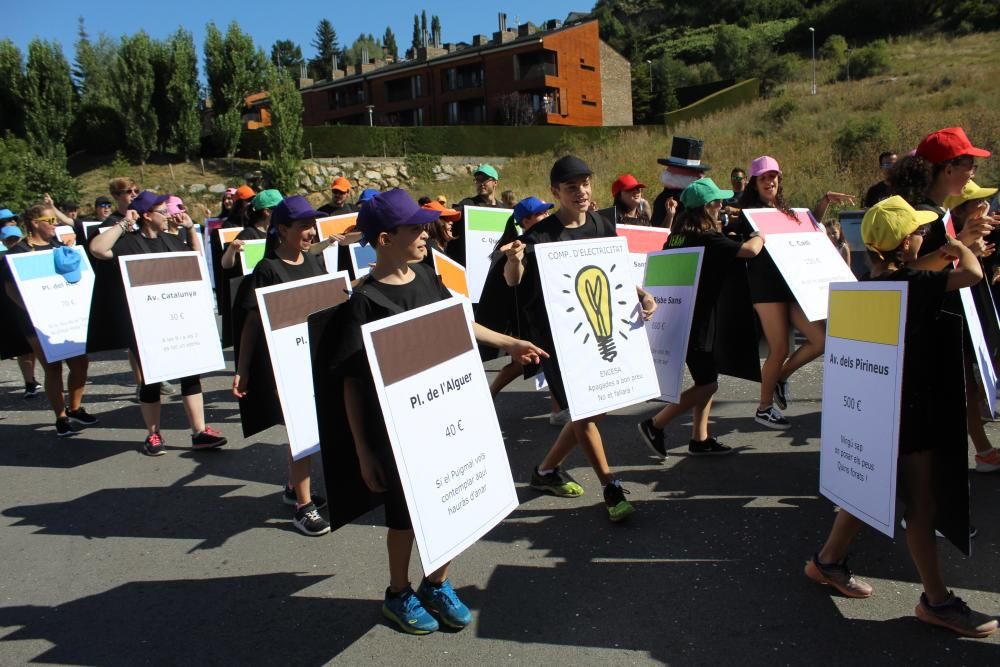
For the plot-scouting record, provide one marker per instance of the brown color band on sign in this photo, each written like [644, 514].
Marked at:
[412, 347]
[163, 271]
[286, 308]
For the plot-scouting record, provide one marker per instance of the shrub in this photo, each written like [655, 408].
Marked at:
[25, 176]
[834, 49]
[867, 61]
[781, 111]
[859, 139]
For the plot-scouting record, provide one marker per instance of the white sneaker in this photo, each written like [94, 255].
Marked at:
[560, 418]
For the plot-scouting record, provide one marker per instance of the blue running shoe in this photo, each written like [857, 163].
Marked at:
[443, 600]
[406, 611]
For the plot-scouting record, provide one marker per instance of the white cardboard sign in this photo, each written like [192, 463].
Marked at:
[284, 314]
[173, 314]
[59, 311]
[483, 228]
[597, 327]
[803, 253]
[862, 386]
[672, 279]
[442, 426]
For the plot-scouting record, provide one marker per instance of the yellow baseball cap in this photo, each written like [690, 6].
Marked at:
[969, 192]
[888, 222]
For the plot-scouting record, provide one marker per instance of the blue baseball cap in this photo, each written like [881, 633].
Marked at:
[67, 263]
[10, 231]
[146, 201]
[6, 214]
[291, 209]
[530, 206]
[367, 194]
[388, 210]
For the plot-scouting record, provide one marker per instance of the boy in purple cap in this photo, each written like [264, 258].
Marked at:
[395, 225]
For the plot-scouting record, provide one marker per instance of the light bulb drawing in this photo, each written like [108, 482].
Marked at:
[593, 290]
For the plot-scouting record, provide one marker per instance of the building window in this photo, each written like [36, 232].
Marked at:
[463, 77]
[346, 96]
[589, 103]
[536, 64]
[587, 68]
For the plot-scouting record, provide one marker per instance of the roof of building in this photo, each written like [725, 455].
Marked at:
[459, 51]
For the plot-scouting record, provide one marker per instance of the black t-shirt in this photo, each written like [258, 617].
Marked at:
[877, 193]
[275, 271]
[251, 234]
[134, 243]
[333, 209]
[351, 359]
[24, 246]
[112, 219]
[659, 215]
[719, 252]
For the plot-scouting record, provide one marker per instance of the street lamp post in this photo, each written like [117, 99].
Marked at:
[812, 31]
[371, 118]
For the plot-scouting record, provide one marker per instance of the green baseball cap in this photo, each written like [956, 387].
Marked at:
[266, 199]
[488, 170]
[701, 192]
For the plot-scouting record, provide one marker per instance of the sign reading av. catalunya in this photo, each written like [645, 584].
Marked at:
[803, 253]
[284, 315]
[672, 278]
[862, 385]
[597, 327]
[442, 426]
[173, 315]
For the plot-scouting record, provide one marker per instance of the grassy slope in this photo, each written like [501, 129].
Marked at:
[934, 82]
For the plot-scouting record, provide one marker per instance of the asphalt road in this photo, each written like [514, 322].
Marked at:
[109, 557]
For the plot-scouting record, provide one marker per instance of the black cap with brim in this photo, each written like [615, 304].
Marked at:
[567, 168]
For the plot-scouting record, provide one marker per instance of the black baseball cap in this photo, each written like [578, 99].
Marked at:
[103, 200]
[568, 167]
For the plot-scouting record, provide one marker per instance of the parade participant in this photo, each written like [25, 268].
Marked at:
[440, 231]
[11, 236]
[485, 177]
[890, 230]
[12, 343]
[683, 167]
[366, 196]
[340, 192]
[835, 233]
[40, 223]
[258, 222]
[286, 259]
[629, 208]
[508, 199]
[226, 207]
[395, 225]
[241, 200]
[698, 225]
[772, 299]
[151, 212]
[123, 190]
[881, 190]
[7, 217]
[570, 180]
[102, 207]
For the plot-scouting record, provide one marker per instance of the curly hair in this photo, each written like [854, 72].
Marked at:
[751, 198]
[911, 178]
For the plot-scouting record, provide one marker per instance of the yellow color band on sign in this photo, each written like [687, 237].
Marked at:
[871, 316]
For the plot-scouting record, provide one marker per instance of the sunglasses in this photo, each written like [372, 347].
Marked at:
[965, 162]
[161, 211]
[104, 206]
[49, 219]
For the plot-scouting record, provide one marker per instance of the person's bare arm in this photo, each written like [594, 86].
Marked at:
[101, 245]
[513, 270]
[521, 350]
[751, 247]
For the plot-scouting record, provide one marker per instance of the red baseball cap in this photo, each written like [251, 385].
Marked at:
[626, 182]
[948, 144]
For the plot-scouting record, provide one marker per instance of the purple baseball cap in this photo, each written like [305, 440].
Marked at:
[291, 209]
[146, 201]
[388, 210]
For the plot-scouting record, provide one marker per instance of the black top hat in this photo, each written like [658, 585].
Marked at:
[685, 152]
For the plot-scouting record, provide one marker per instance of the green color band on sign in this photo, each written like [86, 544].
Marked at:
[254, 252]
[672, 270]
[487, 221]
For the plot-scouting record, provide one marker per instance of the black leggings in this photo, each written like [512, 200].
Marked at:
[150, 393]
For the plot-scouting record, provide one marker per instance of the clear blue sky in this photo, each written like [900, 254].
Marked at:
[266, 21]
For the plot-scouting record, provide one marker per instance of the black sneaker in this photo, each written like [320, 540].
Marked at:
[556, 482]
[289, 498]
[781, 394]
[167, 389]
[207, 439]
[31, 390]
[154, 445]
[614, 499]
[771, 417]
[653, 437]
[308, 521]
[63, 428]
[81, 417]
[709, 447]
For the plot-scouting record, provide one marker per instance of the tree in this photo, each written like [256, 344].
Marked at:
[418, 40]
[641, 93]
[183, 95]
[234, 68]
[92, 69]
[435, 27]
[48, 98]
[135, 78]
[11, 85]
[325, 43]
[389, 46]
[353, 54]
[283, 137]
[286, 54]
[27, 176]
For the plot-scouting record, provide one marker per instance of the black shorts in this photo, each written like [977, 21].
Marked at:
[553, 377]
[701, 364]
[397, 516]
[767, 285]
